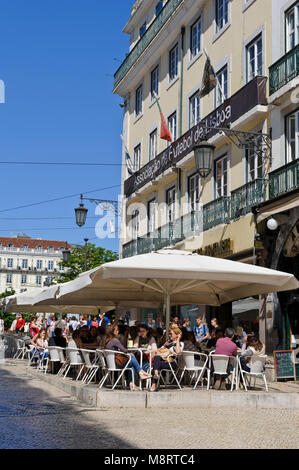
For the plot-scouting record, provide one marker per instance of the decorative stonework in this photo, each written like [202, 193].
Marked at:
[136, 6]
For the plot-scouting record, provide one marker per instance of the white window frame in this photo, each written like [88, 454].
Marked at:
[151, 211]
[220, 97]
[157, 70]
[175, 47]
[289, 139]
[39, 278]
[216, 162]
[39, 264]
[218, 31]
[170, 204]
[24, 263]
[171, 128]
[10, 262]
[198, 25]
[153, 144]
[8, 278]
[139, 101]
[194, 117]
[253, 45]
[50, 265]
[295, 10]
[23, 279]
[137, 157]
[135, 224]
[258, 163]
[194, 188]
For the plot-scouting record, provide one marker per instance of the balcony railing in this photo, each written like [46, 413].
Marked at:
[216, 213]
[284, 70]
[284, 180]
[146, 39]
[249, 195]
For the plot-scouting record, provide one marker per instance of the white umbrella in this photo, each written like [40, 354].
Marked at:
[168, 276]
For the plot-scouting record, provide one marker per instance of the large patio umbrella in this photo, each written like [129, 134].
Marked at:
[169, 277]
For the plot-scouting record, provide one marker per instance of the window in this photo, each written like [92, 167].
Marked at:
[39, 264]
[39, 280]
[135, 225]
[194, 109]
[24, 247]
[8, 278]
[292, 27]
[155, 82]
[170, 203]
[153, 149]
[50, 265]
[39, 248]
[292, 137]
[195, 39]
[172, 125]
[10, 246]
[151, 216]
[221, 177]
[137, 157]
[142, 30]
[173, 65]
[193, 192]
[255, 165]
[24, 263]
[255, 58]
[221, 14]
[24, 279]
[221, 91]
[10, 262]
[50, 249]
[61, 268]
[138, 101]
[159, 7]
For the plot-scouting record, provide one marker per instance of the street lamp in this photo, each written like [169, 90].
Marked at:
[66, 254]
[272, 224]
[85, 259]
[204, 155]
[81, 214]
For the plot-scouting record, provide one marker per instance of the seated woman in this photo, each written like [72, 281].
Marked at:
[101, 332]
[40, 341]
[112, 343]
[190, 343]
[175, 345]
[145, 340]
[251, 348]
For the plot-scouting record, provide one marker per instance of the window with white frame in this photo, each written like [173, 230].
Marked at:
[194, 192]
[254, 53]
[292, 137]
[142, 30]
[155, 82]
[153, 145]
[39, 280]
[292, 27]
[138, 101]
[135, 225]
[221, 90]
[170, 204]
[173, 63]
[194, 109]
[159, 7]
[39, 264]
[137, 157]
[24, 279]
[221, 177]
[8, 278]
[221, 10]
[24, 247]
[172, 126]
[39, 248]
[24, 263]
[195, 39]
[50, 265]
[61, 268]
[51, 249]
[10, 262]
[151, 216]
[255, 162]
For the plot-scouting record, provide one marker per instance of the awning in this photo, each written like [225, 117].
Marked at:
[286, 204]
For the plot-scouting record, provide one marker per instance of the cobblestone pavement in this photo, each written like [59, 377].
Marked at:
[34, 414]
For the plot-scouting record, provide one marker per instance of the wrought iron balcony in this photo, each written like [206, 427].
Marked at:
[249, 195]
[284, 179]
[284, 70]
[146, 39]
[216, 213]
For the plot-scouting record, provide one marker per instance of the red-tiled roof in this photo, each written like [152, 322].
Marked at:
[19, 242]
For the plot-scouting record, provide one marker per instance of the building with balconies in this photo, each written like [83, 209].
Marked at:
[167, 203]
[27, 263]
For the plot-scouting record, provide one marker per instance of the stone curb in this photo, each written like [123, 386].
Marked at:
[197, 399]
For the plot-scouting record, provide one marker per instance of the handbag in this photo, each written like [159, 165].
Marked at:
[120, 360]
[164, 353]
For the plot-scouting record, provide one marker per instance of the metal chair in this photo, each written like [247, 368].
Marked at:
[221, 367]
[74, 361]
[257, 365]
[91, 366]
[169, 371]
[56, 355]
[111, 367]
[195, 362]
[20, 349]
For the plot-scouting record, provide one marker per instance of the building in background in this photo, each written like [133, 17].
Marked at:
[167, 203]
[27, 263]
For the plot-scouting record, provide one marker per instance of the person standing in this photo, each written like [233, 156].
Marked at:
[201, 331]
[20, 324]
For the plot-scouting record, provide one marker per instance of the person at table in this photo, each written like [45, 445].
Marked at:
[190, 343]
[187, 324]
[201, 331]
[20, 324]
[175, 320]
[252, 348]
[145, 340]
[101, 332]
[33, 327]
[58, 339]
[112, 343]
[40, 341]
[175, 345]
[226, 347]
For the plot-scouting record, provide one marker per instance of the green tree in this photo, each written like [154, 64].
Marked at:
[96, 256]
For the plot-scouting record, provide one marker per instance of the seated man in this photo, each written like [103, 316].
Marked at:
[226, 347]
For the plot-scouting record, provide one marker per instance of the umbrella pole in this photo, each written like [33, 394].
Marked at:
[167, 307]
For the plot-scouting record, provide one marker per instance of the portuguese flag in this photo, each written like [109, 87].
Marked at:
[164, 134]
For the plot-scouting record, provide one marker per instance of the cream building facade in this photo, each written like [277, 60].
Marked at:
[27, 263]
[166, 202]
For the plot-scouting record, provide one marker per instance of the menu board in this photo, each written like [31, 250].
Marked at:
[284, 364]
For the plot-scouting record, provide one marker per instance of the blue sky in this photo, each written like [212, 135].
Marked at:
[55, 56]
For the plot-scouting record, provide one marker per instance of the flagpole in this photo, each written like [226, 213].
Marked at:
[219, 85]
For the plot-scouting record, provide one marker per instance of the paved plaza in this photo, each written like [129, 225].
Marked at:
[35, 414]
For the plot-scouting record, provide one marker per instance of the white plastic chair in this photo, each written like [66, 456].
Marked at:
[20, 349]
[56, 354]
[256, 365]
[91, 366]
[169, 371]
[74, 361]
[111, 368]
[192, 361]
[220, 363]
